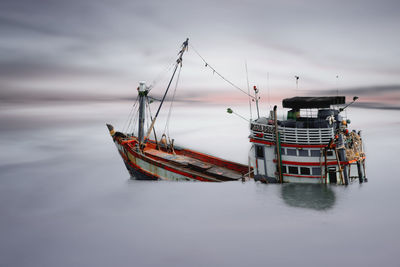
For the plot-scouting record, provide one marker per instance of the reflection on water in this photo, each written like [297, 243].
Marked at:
[309, 196]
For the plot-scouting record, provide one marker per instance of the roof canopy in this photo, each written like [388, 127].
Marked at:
[299, 102]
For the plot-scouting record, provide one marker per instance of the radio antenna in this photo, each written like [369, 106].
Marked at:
[248, 90]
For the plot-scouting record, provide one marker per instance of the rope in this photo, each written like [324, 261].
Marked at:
[220, 75]
[130, 116]
[166, 129]
[149, 114]
[161, 75]
[248, 91]
[134, 123]
[131, 127]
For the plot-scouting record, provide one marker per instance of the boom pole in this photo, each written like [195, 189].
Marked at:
[178, 62]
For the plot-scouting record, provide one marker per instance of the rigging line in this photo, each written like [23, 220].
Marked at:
[128, 119]
[131, 114]
[147, 114]
[135, 122]
[149, 110]
[151, 119]
[269, 95]
[167, 69]
[166, 129]
[132, 122]
[219, 74]
[178, 62]
[161, 75]
[248, 91]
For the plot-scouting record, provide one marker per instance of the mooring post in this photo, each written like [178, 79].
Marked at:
[277, 146]
[339, 166]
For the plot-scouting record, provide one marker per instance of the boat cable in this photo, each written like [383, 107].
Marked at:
[151, 119]
[147, 113]
[161, 75]
[248, 91]
[166, 129]
[219, 74]
[184, 48]
[130, 116]
[133, 121]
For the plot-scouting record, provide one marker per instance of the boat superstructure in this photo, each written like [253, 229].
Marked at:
[311, 144]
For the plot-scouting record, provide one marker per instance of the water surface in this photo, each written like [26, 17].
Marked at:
[66, 198]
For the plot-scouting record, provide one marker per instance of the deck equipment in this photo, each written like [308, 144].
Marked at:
[161, 160]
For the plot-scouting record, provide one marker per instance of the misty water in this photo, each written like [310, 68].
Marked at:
[66, 198]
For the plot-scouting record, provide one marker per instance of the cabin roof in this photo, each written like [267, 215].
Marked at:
[299, 102]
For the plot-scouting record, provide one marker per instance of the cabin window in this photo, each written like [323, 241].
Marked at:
[291, 152]
[284, 169]
[293, 170]
[305, 170]
[316, 171]
[260, 152]
[329, 153]
[282, 151]
[303, 152]
[315, 153]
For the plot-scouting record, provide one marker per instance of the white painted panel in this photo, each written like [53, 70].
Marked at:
[157, 171]
[270, 156]
[261, 167]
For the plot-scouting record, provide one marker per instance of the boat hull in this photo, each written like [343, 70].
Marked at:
[142, 169]
[155, 162]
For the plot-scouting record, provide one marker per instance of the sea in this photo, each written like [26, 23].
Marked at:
[66, 198]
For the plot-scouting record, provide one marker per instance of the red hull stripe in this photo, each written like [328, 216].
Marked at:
[285, 145]
[316, 163]
[214, 160]
[127, 142]
[136, 167]
[150, 161]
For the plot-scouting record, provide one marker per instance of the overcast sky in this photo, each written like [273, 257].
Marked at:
[97, 47]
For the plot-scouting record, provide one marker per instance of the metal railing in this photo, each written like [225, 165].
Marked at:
[308, 136]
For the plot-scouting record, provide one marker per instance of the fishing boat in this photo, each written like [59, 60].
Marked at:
[152, 159]
[312, 143]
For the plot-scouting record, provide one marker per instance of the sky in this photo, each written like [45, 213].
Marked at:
[100, 50]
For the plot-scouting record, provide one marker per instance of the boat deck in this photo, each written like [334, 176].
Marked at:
[195, 165]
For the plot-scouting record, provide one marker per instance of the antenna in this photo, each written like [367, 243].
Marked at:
[337, 85]
[354, 100]
[248, 91]
[230, 111]
[256, 96]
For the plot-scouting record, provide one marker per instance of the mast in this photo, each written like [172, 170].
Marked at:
[142, 90]
[256, 97]
[278, 146]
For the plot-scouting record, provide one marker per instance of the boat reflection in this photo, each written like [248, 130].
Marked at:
[309, 196]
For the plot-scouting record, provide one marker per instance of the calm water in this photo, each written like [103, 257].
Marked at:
[66, 198]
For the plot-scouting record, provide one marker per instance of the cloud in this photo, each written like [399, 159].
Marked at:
[374, 97]
[376, 105]
[89, 45]
[366, 90]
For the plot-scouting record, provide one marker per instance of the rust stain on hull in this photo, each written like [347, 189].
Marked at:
[184, 164]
